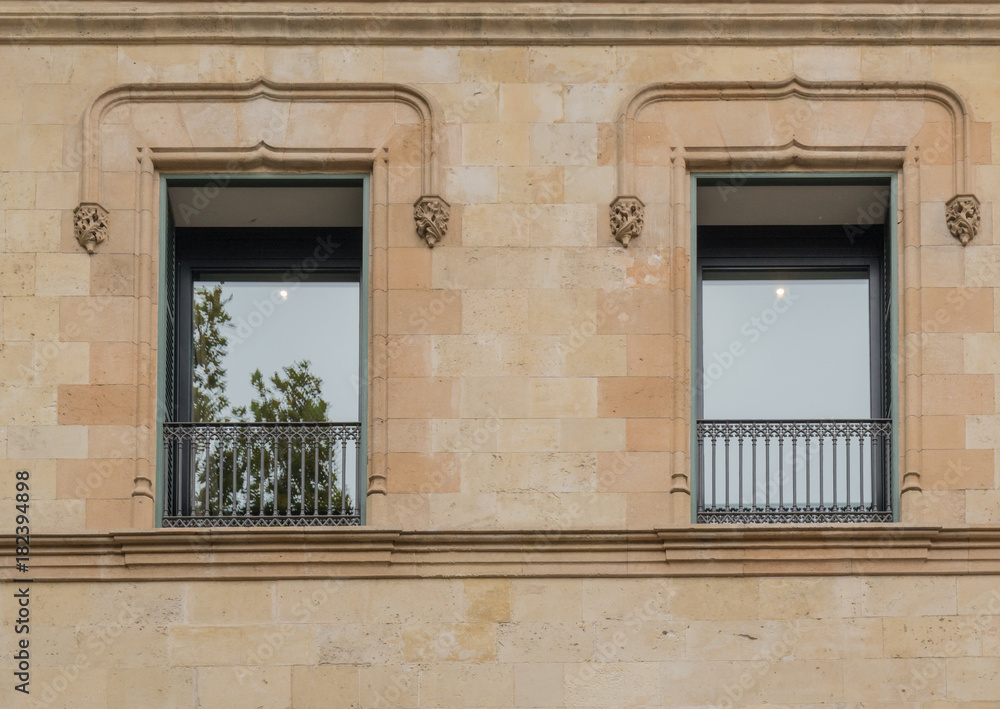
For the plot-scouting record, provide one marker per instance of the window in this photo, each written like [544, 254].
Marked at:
[794, 384]
[262, 390]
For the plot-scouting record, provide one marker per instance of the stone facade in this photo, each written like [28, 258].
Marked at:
[529, 539]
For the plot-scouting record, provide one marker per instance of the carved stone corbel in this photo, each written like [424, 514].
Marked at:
[90, 223]
[962, 215]
[431, 215]
[627, 219]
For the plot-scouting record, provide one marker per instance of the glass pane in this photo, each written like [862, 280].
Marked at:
[270, 350]
[786, 348]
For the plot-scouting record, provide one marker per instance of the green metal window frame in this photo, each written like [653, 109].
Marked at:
[794, 179]
[262, 180]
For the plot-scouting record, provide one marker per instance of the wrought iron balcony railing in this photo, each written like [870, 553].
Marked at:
[262, 474]
[794, 471]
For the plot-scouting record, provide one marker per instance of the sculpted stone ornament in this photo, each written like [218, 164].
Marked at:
[431, 214]
[90, 223]
[626, 218]
[962, 215]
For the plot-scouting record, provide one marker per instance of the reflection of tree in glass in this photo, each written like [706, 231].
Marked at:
[254, 473]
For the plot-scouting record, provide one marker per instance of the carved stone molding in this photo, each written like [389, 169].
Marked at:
[431, 213]
[90, 224]
[962, 215]
[627, 219]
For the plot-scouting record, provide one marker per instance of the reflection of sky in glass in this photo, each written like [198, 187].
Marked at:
[318, 322]
[802, 355]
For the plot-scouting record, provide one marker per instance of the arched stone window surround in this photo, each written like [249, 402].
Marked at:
[628, 214]
[395, 172]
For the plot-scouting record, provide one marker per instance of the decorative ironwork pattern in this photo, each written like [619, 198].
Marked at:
[811, 471]
[262, 474]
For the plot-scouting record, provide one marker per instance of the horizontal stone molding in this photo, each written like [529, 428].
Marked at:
[512, 23]
[268, 554]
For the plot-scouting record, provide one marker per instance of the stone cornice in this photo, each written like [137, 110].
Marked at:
[512, 23]
[374, 553]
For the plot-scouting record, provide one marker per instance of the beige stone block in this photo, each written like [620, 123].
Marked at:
[472, 185]
[125, 646]
[494, 397]
[652, 434]
[982, 431]
[58, 516]
[973, 678]
[564, 144]
[92, 478]
[425, 311]
[638, 639]
[546, 600]
[17, 274]
[111, 404]
[957, 469]
[952, 636]
[409, 268]
[448, 685]
[286, 644]
[527, 434]
[112, 441]
[958, 394]
[593, 355]
[571, 510]
[621, 471]
[899, 680]
[230, 603]
[486, 600]
[422, 65]
[649, 510]
[468, 355]
[738, 640]
[32, 148]
[151, 686]
[112, 274]
[982, 266]
[464, 103]
[31, 442]
[538, 685]
[108, 514]
[18, 192]
[450, 642]
[589, 268]
[572, 64]
[465, 436]
[354, 642]
[698, 683]
[494, 144]
[562, 398]
[416, 601]
[982, 353]
[635, 311]
[531, 355]
[494, 64]
[978, 596]
[112, 363]
[531, 185]
[62, 274]
[799, 681]
[95, 319]
[462, 511]
[635, 397]
[982, 506]
[936, 507]
[11, 105]
[538, 642]
[594, 103]
[326, 601]
[592, 434]
[326, 687]
[252, 686]
[563, 225]
[409, 355]
[943, 432]
[30, 318]
[529, 472]
[421, 472]
[716, 599]
[957, 309]
[590, 184]
[194, 646]
[528, 269]
[941, 353]
[834, 638]
[494, 225]
[896, 596]
[819, 597]
[28, 405]
[423, 398]
[531, 103]
[612, 684]
[941, 267]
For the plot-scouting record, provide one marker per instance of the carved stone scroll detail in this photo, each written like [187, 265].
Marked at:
[90, 223]
[431, 215]
[962, 215]
[627, 218]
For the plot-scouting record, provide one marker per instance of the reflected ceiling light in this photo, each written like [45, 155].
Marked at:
[780, 292]
[283, 294]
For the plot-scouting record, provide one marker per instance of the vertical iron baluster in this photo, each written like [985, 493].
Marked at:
[316, 478]
[874, 470]
[795, 441]
[808, 491]
[727, 470]
[833, 469]
[329, 475]
[714, 498]
[767, 468]
[781, 469]
[302, 474]
[343, 476]
[288, 479]
[246, 481]
[741, 469]
[274, 478]
[260, 483]
[222, 497]
[701, 467]
[753, 469]
[847, 464]
[861, 472]
[821, 437]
